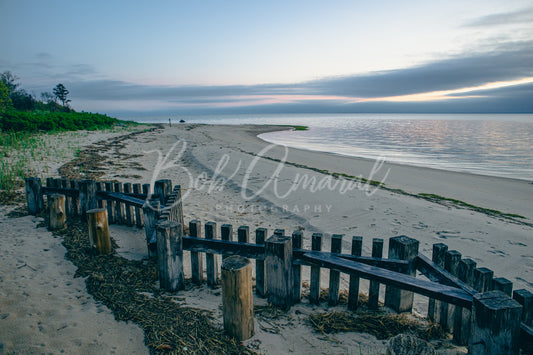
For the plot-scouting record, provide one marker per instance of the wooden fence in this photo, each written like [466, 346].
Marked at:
[481, 311]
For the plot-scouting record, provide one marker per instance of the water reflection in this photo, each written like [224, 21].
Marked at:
[489, 147]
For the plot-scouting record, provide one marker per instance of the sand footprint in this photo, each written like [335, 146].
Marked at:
[420, 225]
[448, 234]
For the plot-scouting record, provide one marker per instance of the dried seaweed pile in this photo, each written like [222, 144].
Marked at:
[127, 288]
[12, 198]
[343, 296]
[88, 164]
[381, 325]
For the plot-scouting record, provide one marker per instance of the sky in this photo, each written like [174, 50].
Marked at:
[129, 58]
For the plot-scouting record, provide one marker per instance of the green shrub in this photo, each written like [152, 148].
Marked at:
[20, 121]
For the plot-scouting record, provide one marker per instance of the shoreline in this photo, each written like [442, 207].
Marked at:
[401, 178]
[393, 163]
[461, 186]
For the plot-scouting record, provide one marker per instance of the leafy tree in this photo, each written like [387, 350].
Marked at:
[10, 81]
[61, 92]
[5, 101]
[23, 100]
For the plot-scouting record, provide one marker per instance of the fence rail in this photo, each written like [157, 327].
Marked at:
[464, 299]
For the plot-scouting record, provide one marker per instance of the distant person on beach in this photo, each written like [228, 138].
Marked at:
[169, 122]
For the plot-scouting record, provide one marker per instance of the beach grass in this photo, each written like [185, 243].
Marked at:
[25, 154]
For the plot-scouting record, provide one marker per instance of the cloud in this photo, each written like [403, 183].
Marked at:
[523, 16]
[512, 63]
[118, 90]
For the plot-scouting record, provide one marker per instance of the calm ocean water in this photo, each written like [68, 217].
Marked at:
[488, 144]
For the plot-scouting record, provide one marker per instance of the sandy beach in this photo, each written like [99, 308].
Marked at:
[229, 175]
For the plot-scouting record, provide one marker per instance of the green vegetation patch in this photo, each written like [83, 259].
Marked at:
[459, 203]
[22, 121]
[296, 127]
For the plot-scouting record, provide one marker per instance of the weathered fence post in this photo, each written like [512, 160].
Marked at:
[297, 237]
[170, 255]
[237, 298]
[495, 324]
[163, 188]
[451, 264]
[178, 203]
[34, 195]
[100, 187]
[197, 262]
[278, 262]
[525, 298]
[434, 308]
[99, 230]
[279, 231]
[170, 208]
[314, 288]
[373, 290]
[503, 284]
[50, 182]
[76, 205]
[151, 215]
[211, 262]
[353, 288]
[483, 279]
[334, 276]
[402, 248]
[260, 279]
[130, 214]
[87, 196]
[120, 212]
[226, 233]
[461, 332]
[146, 189]
[57, 213]
[243, 234]
[110, 204]
[138, 212]
[68, 199]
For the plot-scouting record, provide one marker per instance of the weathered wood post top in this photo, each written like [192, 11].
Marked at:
[57, 213]
[495, 324]
[34, 195]
[402, 248]
[278, 262]
[99, 230]
[237, 297]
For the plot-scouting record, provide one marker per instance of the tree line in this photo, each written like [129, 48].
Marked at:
[20, 111]
[12, 96]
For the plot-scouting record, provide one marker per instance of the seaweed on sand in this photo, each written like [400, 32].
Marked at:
[128, 288]
[381, 325]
